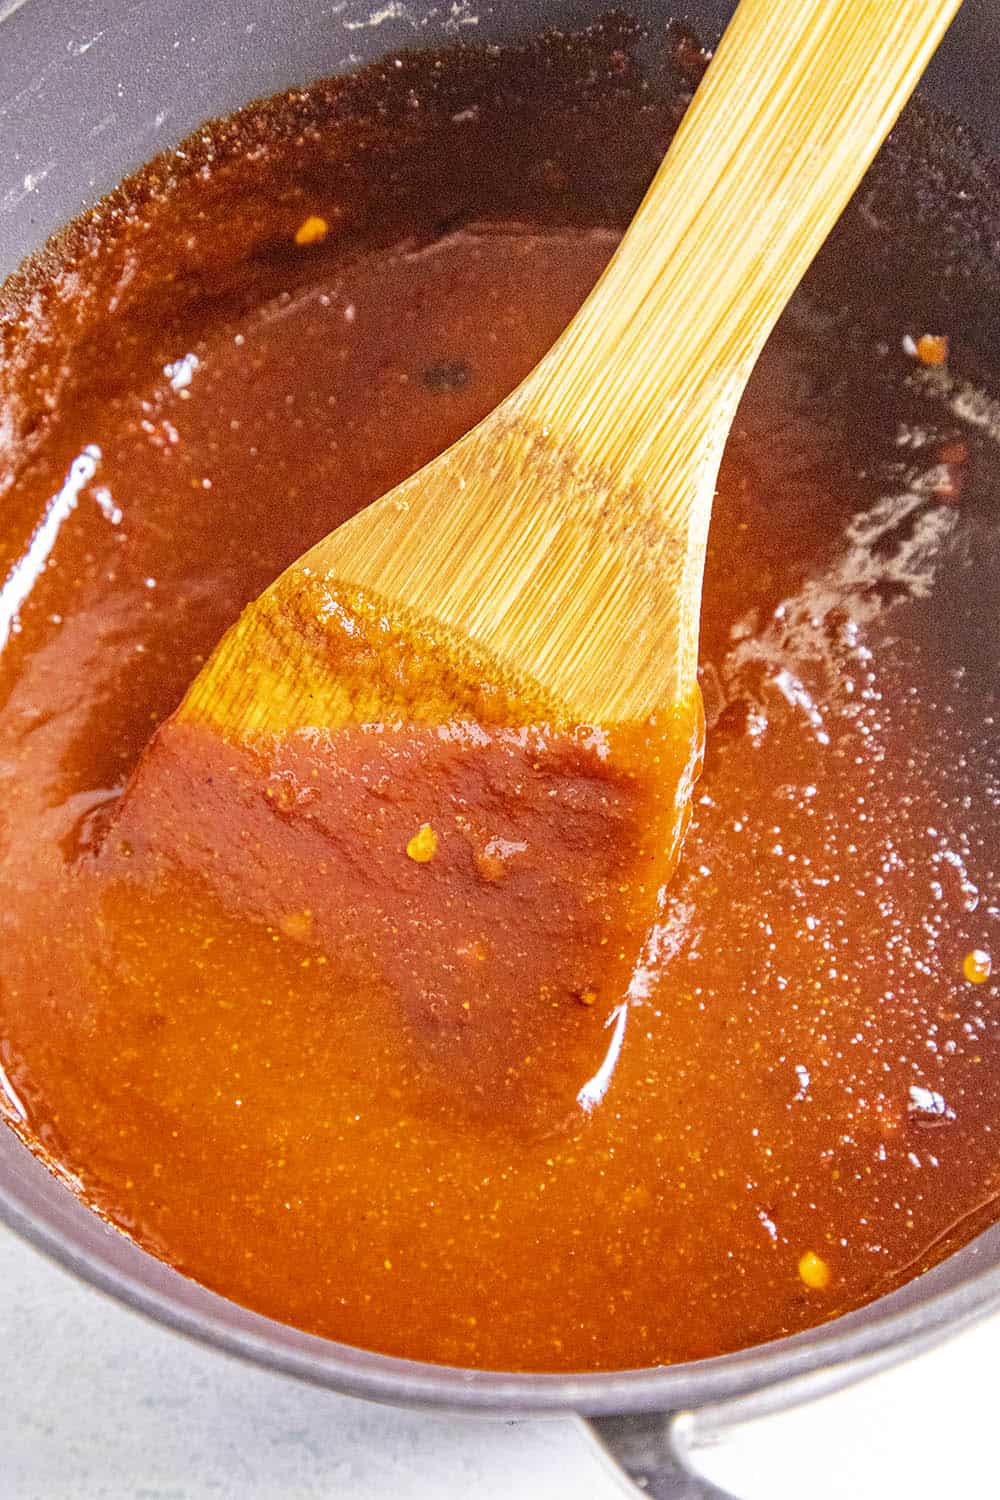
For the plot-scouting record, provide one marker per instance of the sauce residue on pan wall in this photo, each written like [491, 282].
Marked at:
[797, 1109]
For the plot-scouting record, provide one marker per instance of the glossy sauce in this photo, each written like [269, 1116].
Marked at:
[386, 1090]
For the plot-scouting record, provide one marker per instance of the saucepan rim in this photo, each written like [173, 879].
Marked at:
[842, 1344]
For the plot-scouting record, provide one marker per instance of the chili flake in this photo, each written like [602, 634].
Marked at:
[423, 845]
[311, 231]
[977, 966]
[814, 1271]
[932, 349]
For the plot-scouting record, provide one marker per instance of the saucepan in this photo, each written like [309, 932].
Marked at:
[89, 90]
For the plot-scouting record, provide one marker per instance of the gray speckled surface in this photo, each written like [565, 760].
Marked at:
[99, 1404]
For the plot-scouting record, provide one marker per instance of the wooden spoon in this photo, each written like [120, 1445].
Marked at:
[558, 548]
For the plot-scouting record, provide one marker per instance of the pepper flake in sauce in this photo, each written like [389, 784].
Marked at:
[423, 845]
[814, 1271]
[977, 966]
[312, 231]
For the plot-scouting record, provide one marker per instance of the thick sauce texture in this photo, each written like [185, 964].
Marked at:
[395, 1035]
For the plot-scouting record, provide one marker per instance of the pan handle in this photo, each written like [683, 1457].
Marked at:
[659, 1450]
[650, 1448]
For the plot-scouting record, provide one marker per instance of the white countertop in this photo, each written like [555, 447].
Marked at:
[99, 1404]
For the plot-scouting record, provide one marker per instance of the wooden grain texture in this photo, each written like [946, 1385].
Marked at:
[558, 548]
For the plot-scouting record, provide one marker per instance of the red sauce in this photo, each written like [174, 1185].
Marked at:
[468, 892]
[335, 1025]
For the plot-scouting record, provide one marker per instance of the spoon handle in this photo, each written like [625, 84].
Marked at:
[642, 387]
[564, 537]
[793, 108]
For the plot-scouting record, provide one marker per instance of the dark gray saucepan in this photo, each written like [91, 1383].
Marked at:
[89, 90]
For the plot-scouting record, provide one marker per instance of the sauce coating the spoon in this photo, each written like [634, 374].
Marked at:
[264, 1069]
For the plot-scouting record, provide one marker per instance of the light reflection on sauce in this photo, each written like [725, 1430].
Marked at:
[595, 1088]
[25, 574]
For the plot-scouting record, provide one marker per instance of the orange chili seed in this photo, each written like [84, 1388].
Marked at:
[977, 966]
[814, 1271]
[311, 230]
[932, 348]
[423, 845]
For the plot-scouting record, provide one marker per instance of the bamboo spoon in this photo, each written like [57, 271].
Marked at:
[561, 542]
